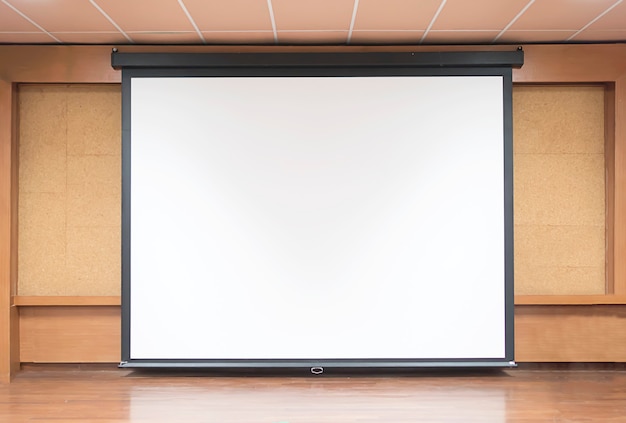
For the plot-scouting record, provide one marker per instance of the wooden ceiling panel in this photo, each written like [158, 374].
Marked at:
[298, 15]
[460, 37]
[561, 14]
[188, 37]
[478, 14]
[613, 19]
[26, 37]
[64, 15]
[386, 37]
[11, 21]
[395, 14]
[142, 15]
[312, 37]
[230, 15]
[376, 22]
[240, 38]
[91, 37]
[595, 36]
[535, 36]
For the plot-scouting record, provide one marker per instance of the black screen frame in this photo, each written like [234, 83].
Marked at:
[138, 65]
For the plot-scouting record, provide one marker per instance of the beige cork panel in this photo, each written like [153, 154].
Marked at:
[93, 205]
[69, 244]
[93, 191]
[558, 119]
[559, 194]
[559, 189]
[95, 170]
[539, 280]
[94, 120]
[42, 132]
[41, 248]
[90, 257]
[90, 131]
[574, 246]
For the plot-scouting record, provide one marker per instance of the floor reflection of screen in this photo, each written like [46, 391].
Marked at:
[374, 401]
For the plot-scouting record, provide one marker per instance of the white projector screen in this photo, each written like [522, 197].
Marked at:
[315, 218]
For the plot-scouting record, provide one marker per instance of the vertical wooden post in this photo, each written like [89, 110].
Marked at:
[619, 217]
[609, 191]
[9, 343]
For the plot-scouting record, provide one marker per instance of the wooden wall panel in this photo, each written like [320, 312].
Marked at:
[70, 189]
[592, 333]
[70, 334]
[9, 337]
[543, 64]
[559, 171]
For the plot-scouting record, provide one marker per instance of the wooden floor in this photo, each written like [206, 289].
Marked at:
[111, 395]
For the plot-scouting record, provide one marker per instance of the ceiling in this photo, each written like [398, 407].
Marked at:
[283, 22]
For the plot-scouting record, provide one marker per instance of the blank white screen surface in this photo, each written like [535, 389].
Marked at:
[317, 218]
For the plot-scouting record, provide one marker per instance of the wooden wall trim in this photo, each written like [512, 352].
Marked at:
[92, 64]
[46, 301]
[112, 300]
[569, 299]
[9, 354]
[619, 192]
[609, 188]
[572, 63]
[57, 64]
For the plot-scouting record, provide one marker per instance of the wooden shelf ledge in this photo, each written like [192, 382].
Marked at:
[569, 299]
[47, 301]
[40, 300]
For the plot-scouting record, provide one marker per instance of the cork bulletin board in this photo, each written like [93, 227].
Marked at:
[559, 178]
[69, 189]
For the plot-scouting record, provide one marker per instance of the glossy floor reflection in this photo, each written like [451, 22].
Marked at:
[70, 395]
